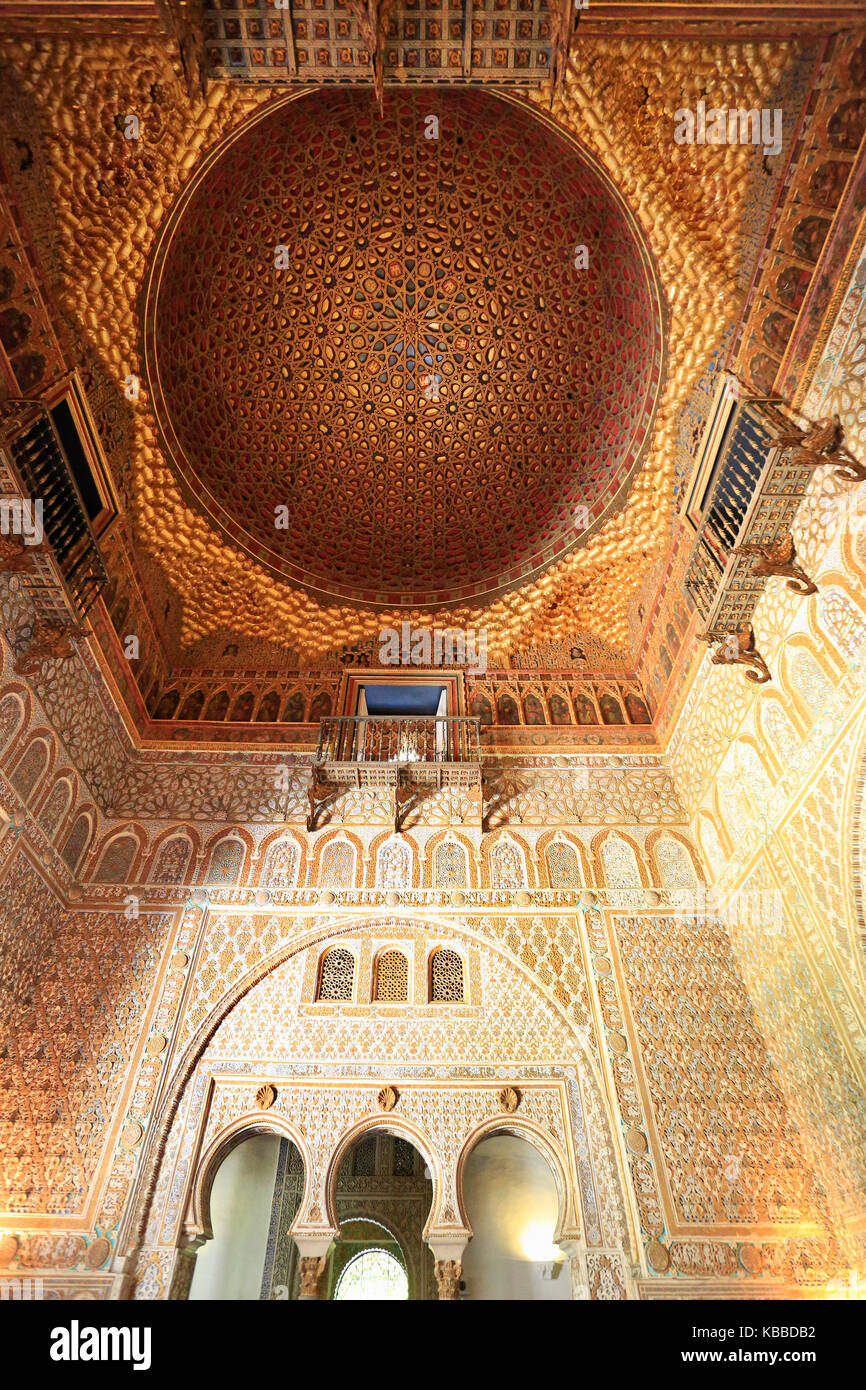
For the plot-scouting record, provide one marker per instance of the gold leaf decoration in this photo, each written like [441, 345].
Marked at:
[387, 1098]
[509, 1099]
[265, 1097]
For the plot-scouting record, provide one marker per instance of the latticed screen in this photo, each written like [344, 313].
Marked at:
[338, 973]
[563, 866]
[446, 977]
[450, 862]
[392, 977]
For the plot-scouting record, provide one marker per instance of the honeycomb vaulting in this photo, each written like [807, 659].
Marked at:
[112, 194]
[388, 328]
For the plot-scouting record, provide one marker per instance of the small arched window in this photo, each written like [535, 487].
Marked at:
[337, 974]
[446, 977]
[392, 978]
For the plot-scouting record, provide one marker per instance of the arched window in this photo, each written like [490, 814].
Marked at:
[281, 865]
[392, 978]
[481, 709]
[338, 865]
[611, 712]
[374, 1275]
[30, 768]
[294, 712]
[226, 863]
[559, 711]
[337, 974]
[320, 708]
[117, 859]
[506, 866]
[449, 865]
[171, 860]
[446, 977]
[167, 705]
[533, 710]
[394, 865]
[563, 865]
[74, 847]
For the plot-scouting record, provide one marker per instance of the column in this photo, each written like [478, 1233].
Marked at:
[312, 1263]
[448, 1263]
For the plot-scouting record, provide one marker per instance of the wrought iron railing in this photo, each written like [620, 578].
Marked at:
[399, 739]
[46, 475]
[752, 502]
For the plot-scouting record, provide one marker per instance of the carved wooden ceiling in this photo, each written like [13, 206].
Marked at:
[111, 196]
[413, 401]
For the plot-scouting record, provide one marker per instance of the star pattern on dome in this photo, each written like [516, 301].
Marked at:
[389, 337]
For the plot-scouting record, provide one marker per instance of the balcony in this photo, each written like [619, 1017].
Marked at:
[408, 755]
[46, 473]
[748, 487]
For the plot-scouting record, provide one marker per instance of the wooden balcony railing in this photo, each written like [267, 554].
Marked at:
[755, 491]
[384, 750]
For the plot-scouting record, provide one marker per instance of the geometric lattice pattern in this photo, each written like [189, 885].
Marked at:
[392, 977]
[446, 976]
[338, 974]
[420, 346]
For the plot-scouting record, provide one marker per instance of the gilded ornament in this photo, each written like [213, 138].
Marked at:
[750, 1259]
[509, 1099]
[387, 1098]
[636, 1141]
[265, 1097]
[179, 961]
[658, 1256]
[97, 1252]
[156, 1044]
[131, 1135]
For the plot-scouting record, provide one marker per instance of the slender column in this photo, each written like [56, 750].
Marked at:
[448, 1274]
[312, 1267]
[575, 1254]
